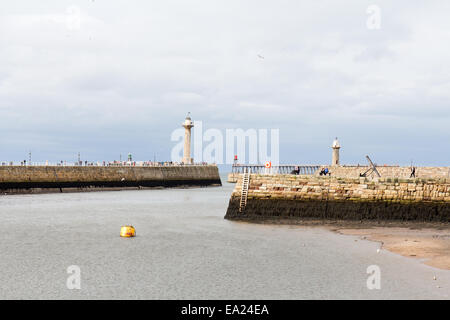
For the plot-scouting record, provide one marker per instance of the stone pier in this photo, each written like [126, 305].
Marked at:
[305, 197]
[40, 179]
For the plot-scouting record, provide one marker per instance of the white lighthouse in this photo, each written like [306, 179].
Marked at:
[335, 157]
[187, 124]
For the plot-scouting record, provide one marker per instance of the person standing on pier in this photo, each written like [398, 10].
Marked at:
[413, 172]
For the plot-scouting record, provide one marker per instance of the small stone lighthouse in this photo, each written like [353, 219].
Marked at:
[187, 124]
[335, 158]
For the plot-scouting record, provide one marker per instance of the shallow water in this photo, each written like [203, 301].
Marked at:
[184, 249]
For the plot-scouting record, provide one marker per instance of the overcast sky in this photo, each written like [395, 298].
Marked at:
[123, 76]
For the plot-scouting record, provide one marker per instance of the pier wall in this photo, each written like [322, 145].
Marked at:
[35, 179]
[291, 196]
[233, 177]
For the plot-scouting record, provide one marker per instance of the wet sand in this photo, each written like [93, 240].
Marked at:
[427, 241]
[432, 246]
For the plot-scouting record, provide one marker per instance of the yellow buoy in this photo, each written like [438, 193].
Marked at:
[127, 231]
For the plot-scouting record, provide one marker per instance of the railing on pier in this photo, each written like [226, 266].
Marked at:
[102, 164]
[280, 169]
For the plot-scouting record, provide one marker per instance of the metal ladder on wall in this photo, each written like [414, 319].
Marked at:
[244, 190]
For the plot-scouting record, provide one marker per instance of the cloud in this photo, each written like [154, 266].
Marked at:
[123, 76]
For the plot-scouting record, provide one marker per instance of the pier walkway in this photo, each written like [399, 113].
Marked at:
[281, 169]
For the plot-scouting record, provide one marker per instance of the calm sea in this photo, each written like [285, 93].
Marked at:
[184, 249]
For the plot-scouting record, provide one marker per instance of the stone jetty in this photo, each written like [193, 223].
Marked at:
[345, 198]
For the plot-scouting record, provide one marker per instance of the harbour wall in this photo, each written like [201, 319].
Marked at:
[39, 179]
[305, 197]
[233, 177]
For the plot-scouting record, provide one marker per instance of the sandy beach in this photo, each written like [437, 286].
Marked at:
[432, 246]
